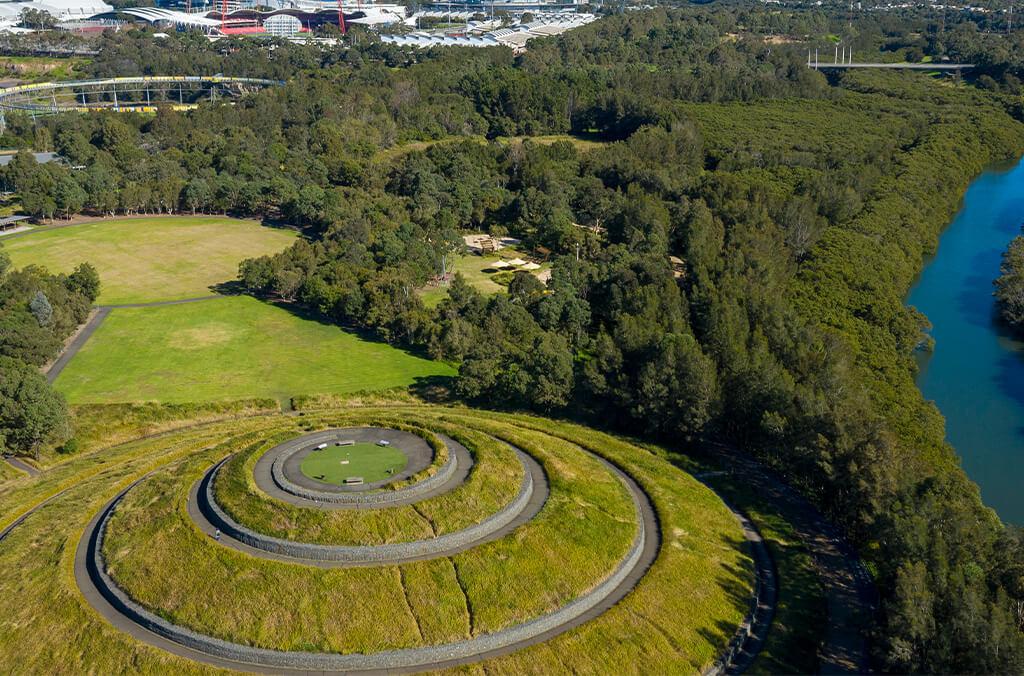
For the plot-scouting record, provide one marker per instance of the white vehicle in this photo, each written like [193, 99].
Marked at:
[321, 447]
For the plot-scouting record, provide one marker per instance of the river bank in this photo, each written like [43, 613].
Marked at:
[975, 374]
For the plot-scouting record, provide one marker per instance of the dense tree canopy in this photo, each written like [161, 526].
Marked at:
[1010, 284]
[38, 311]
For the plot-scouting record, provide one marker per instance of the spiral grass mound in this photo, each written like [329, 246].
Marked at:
[550, 547]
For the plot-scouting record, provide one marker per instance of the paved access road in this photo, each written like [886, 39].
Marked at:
[19, 464]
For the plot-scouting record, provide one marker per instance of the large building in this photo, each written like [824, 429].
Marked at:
[61, 10]
[248, 19]
[512, 7]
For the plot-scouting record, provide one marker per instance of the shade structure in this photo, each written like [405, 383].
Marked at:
[517, 262]
[498, 265]
[531, 266]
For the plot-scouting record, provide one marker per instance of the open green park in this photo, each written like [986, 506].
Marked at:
[230, 348]
[369, 462]
[223, 348]
[151, 259]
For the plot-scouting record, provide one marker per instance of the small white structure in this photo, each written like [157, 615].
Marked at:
[516, 262]
[383, 442]
[531, 266]
[498, 265]
[282, 25]
[321, 447]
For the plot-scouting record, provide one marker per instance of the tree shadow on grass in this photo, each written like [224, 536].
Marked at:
[434, 389]
[738, 585]
[282, 224]
[231, 288]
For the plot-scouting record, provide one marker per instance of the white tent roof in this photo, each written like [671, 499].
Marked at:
[517, 262]
[498, 265]
[531, 266]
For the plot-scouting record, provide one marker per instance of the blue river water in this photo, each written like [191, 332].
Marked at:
[976, 373]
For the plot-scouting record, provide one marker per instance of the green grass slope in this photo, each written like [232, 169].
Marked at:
[679, 617]
[229, 348]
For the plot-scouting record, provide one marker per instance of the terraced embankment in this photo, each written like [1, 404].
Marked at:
[610, 555]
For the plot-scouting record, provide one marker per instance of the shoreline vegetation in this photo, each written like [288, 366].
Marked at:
[1009, 285]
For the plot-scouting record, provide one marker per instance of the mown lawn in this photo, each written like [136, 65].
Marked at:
[142, 260]
[367, 461]
[230, 348]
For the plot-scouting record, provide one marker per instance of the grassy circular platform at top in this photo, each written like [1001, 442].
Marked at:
[149, 259]
[368, 462]
[493, 482]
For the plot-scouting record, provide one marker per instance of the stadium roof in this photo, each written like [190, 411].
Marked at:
[60, 9]
[160, 14]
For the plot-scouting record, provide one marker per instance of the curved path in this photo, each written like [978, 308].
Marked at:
[128, 616]
[278, 472]
[21, 465]
[80, 339]
[209, 517]
[849, 590]
[460, 460]
[122, 622]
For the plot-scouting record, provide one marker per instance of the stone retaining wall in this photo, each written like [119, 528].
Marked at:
[439, 478]
[398, 551]
[391, 659]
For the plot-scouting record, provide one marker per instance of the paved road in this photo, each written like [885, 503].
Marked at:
[75, 345]
[262, 475]
[161, 303]
[849, 590]
[19, 464]
[199, 508]
[17, 522]
[752, 634]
